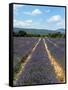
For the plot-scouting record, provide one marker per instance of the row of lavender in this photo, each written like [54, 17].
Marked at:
[21, 47]
[57, 48]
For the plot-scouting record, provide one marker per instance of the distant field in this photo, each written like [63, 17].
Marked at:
[31, 53]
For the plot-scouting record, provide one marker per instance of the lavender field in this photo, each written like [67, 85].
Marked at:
[32, 60]
[22, 46]
[39, 44]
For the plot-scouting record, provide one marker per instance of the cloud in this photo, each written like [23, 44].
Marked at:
[28, 21]
[34, 12]
[61, 24]
[26, 24]
[57, 20]
[22, 23]
[54, 18]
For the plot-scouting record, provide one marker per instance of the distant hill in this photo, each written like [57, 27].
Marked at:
[61, 30]
[38, 31]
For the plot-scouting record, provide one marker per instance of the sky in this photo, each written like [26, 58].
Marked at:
[39, 17]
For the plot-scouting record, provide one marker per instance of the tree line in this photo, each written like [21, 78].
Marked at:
[25, 34]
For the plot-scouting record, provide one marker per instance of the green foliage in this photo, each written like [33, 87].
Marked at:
[22, 33]
[56, 35]
[25, 34]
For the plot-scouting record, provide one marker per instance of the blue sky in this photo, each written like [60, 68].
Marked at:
[41, 17]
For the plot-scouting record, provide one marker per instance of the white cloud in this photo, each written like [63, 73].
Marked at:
[26, 24]
[54, 18]
[61, 24]
[34, 12]
[57, 20]
[22, 23]
[28, 21]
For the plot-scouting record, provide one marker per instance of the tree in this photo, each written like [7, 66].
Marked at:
[22, 33]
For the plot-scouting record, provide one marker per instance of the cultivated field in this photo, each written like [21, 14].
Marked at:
[38, 60]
